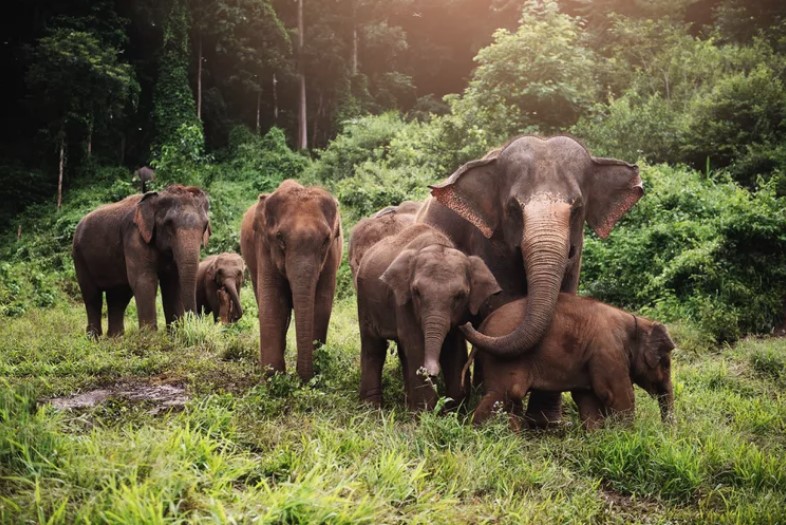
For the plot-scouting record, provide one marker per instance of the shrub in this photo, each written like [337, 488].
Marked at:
[696, 248]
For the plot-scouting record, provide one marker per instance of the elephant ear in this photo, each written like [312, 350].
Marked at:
[615, 187]
[329, 206]
[145, 216]
[482, 284]
[471, 192]
[658, 344]
[259, 213]
[397, 277]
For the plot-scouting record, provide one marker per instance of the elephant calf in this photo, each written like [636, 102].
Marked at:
[219, 280]
[369, 231]
[592, 349]
[415, 288]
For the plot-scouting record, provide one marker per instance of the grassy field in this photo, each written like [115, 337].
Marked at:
[246, 451]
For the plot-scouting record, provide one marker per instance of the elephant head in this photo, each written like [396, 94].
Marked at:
[651, 363]
[175, 223]
[534, 195]
[226, 271]
[442, 285]
[300, 227]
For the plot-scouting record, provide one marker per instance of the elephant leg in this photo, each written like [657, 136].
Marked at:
[615, 391]
[516, 417]
[275, 311]
[489, 404]
[144, 287]
[452, 360]
[117, 300]
[591, 410]
[372, 360]
[170, 298]
[544, 409]
[93, 299]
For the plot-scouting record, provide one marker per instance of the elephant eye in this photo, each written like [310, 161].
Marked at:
[281, 242]
[325, 243]
[460, 296]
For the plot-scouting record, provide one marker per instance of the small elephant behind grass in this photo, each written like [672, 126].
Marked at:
[415, 288]
[219, 280]
[592, 349]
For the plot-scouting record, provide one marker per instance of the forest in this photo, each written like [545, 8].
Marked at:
[376, 101]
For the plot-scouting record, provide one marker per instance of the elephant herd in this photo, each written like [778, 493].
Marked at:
[497, 244]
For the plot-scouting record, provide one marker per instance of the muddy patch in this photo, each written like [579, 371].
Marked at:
[161, 397]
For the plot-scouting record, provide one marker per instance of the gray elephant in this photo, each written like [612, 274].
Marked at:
[522, 209]
[219, 280]
[367, 232]
[592, 349]
[127, 248]
[415, 288]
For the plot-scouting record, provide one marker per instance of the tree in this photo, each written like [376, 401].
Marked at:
[77, 78]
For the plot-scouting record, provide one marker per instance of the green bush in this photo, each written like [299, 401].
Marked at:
[699, 249]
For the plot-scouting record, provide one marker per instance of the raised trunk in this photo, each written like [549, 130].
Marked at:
[435, 329]
[237, 310]
[544, 247]
[303, 297]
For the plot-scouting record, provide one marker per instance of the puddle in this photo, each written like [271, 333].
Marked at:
[161, 396]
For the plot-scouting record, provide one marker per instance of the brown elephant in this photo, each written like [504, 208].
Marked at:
[219, 280]
[592, 349]
[522, 209]
[386, 222]
[415, 288]
[291, 241]
[127, 248]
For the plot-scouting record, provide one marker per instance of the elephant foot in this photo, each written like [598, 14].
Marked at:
[544, 411]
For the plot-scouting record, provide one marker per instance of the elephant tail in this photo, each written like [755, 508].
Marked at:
[470, 359]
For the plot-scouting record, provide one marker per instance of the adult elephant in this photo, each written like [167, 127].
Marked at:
[522, 209]
[291, 241]
[127, 248]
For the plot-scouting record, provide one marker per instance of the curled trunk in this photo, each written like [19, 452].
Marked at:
[544, 247]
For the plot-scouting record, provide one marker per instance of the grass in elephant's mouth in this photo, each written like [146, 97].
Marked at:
[243, 450]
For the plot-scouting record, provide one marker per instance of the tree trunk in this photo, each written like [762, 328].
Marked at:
[315, 121]
[259, 103]
[354, 49]
[302, 121]
[199, 78]
[275, 98]
[60, 172]
[122, 147]
[90, 136]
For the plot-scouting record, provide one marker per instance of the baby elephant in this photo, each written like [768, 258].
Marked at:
[415, 288]
[592, 349]
[219, 280]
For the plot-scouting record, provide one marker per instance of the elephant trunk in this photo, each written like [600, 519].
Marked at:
[544, 246]
[435, 328]
[237, 310]
[187, 261]
[666, 402]
[303, 297]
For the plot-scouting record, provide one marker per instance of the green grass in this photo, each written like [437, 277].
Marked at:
[245, 450]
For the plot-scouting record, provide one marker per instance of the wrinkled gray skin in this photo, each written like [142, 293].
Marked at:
[386, 222]
[522, 209]
[415, 288]
[220, 272]
[592, 349]
[291, 242]
[127, 248]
